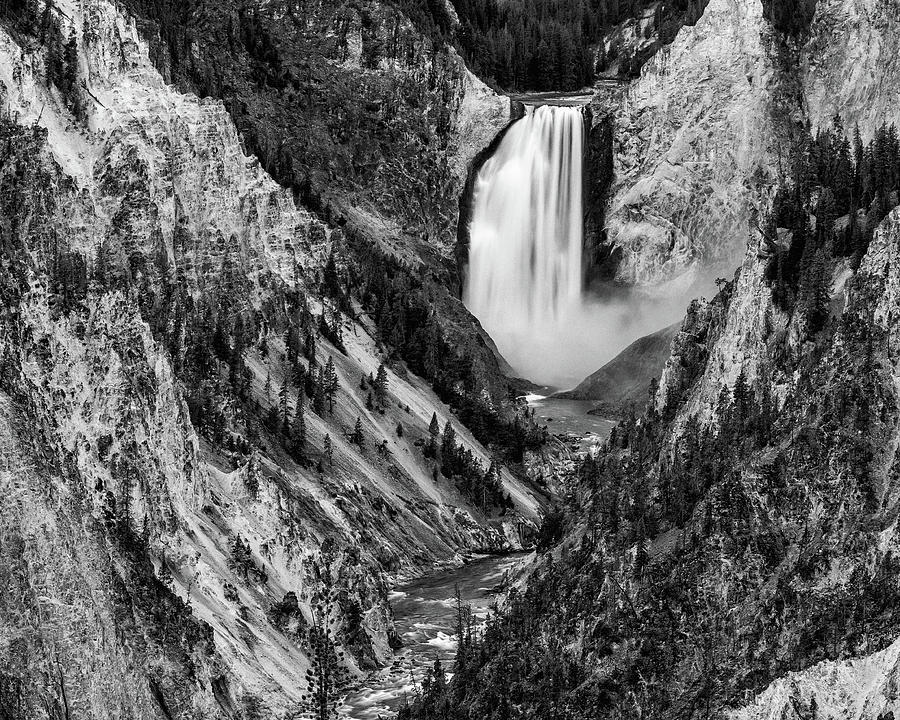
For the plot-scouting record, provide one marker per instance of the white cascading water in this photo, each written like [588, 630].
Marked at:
[525, 235]
[525, 280]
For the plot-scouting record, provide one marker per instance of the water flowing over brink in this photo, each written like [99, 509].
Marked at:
[525, 275]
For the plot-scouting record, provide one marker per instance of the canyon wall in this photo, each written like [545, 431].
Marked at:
[701, 134]
[173, 552]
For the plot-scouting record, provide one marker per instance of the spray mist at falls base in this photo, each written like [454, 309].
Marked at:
[524, 280]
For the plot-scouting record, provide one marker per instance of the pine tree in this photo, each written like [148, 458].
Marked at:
[309, 381]
[321, 699]
[236, 359]
[55, 64]
[357, 437]
[319, 392]
[309, 347]
[434, 426]
[742, 397]
[817, 296]
[329, 451]
[381, 385]
[292, 343]
[331, 383]
[284, 401]
[267, 388]
[298, 428]
[826, 214]
[331, 281]
[448, 445]
[69, 78]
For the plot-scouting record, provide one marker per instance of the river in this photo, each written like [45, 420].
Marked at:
[570, 418]
[425, 617]
[425, 608]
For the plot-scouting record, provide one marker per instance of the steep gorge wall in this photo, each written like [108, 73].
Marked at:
[348, 103]
[227, 556]
[372, 125]
[693, 139]
[708, 126]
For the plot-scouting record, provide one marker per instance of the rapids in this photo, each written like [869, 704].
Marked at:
[425, 617]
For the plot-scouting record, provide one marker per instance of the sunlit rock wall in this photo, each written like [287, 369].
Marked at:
[101, 457]
[704, 132]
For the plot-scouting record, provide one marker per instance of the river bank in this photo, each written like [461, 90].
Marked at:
[424, 618]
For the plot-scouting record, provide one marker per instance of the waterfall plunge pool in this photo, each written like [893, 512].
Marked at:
[570, 418]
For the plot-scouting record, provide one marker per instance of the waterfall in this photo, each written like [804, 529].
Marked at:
[525, 274]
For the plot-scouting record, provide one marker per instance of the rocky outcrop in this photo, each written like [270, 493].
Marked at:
[693, 143]
[625, 380]
[174, 556]
[698, 134]
[467, 197]
[599, 173]
[850, 64]
[862, 688]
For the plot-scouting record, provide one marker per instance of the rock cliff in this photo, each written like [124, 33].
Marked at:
[170, 550]
[699, 136]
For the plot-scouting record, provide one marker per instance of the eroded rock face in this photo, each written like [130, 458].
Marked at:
[348, 103]
[692, 139]
[851, 64]
[865, 686]
[185, 548]
[698, 134]
[599, 173]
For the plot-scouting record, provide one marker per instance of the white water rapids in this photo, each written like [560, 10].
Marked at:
[525, 280]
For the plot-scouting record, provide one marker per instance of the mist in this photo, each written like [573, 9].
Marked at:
[524, 279]
[561, 352]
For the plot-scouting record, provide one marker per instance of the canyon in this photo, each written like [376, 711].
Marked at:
[277, 279]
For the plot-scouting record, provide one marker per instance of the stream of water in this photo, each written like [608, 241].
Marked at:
[425, 616]
[570, 418]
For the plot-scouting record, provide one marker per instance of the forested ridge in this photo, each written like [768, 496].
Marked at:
[840, 189]
[551, 45]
